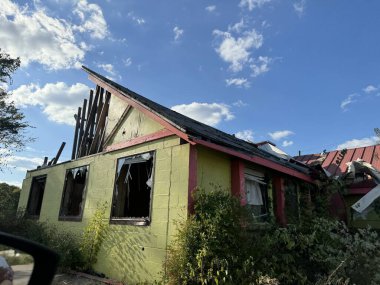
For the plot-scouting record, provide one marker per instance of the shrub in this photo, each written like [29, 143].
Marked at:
[63, 242]
[220, 244]
[93, 236]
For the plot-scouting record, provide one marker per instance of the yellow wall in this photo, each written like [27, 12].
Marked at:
[136, 124]
[116, 110]
[130, 253]
[213, 169]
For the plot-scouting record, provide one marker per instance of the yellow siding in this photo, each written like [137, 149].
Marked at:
[213, 169]
[116, 109]
[136, 124]
[131, 253]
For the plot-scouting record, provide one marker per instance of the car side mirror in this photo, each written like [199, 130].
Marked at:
[45, 260]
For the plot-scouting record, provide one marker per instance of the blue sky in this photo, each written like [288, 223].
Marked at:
[303, 74]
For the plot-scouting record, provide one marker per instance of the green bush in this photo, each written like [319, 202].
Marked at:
[220, 244]
[63, 242]
[93, 236]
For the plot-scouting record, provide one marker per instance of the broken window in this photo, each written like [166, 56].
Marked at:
[257, 195]
[292, 202]
[133, 189]
[74, 194]
[35, 196]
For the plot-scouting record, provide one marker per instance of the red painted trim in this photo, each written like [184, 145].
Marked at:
[258, 160]
[142, 108]
[193, 163]
[139, 140]
[238, 180]
[279, 191]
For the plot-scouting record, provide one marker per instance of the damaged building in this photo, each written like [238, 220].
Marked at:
[145, 161]
[358, 168]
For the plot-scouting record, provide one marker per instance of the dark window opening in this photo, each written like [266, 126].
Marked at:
[133, 188]
[73, 193]
[36, 195]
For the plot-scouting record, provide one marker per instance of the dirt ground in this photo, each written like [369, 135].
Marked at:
[68, 279]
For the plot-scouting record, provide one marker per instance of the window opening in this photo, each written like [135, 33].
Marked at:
[133, 188]
[257, 196]
[74, 192]
[36, 195]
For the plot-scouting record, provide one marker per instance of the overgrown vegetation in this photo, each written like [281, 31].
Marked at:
[221, 244]
[93, 236]
[9, 199]
[64, 242]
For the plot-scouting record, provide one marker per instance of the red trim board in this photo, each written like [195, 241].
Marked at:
[139, 140]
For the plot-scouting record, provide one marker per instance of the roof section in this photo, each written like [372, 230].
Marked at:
[197, 129]
[335, 162]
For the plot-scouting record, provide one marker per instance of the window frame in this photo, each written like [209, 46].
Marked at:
[133, 221]
[80, 216]
[30, 194]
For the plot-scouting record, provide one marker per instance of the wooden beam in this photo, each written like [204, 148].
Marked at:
[95, 105]
[100, 123]
[90, 103]
[142, 108]
[83, 139]
[75, 141]
[45, 161]
[118, 124]
[83, 119]
[59, 153]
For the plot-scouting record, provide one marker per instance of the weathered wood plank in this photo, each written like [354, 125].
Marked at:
[118, 124]
[59, 153]
[75, 141]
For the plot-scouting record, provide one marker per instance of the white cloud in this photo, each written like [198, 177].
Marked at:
[127, 62]
[109, 68]
[207, 113]
[286, 143]
[137, 20]
[237, 50]
[237, 27]
[280, 134]
[349, 100]
[239, 82]
[92, 19]
[246, 135]
[260, 65]
[239, 103]
[252, 4]
[59, 102]
[178, 33]
[299, 7]
[210, 8]
[21, 163]
[359, 142]
[34, 36]
[370, 88]
[12, 182]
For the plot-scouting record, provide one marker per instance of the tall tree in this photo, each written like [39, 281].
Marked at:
[12, 120]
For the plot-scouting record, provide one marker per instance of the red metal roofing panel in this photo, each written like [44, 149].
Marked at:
[329, 158]
[332, 166]
[342, 166]
[376, 158]
[358, 153]
[368, 153]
